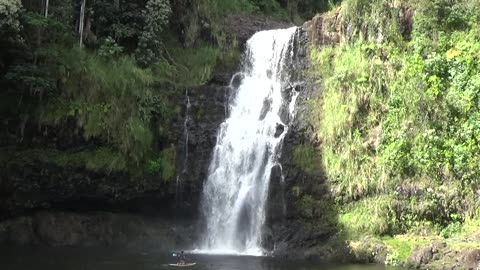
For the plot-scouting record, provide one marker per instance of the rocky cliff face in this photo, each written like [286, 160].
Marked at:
[302, 214]
[300, 198]
[208, 109]
[206, 112]
[78, 202]
[33, 183]
[38, 192]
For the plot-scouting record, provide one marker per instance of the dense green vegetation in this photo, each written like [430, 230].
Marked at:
[399, 118]
[398, 114]
[112, 73]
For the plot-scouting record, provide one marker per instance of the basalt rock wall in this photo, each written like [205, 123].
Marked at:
[301, 214]
[33, 190]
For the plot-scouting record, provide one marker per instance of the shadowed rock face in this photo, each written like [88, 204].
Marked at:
[292, 230]
[40, 186]
[94, 229]
[28, 187]
[44, 186]
[207, 112]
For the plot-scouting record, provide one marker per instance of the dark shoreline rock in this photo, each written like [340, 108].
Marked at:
[307, 229]
[58, 229]
[472, 259]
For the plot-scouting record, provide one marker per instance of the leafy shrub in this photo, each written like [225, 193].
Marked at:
[164, 164]
[109, 100]
[9, 15]
[451, 230]
[101, 159]
[156, 16]
[393, 110]
[393, 259]
[306, 157]
[109, 48]
[187, 66]
[368, 216]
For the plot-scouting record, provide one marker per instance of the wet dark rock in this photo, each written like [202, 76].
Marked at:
[276, 199]
[207, 111]
[267, 104]
[221, 78]
[236, 80]
[305, 231]
[370, 250]
[41, 185]
[279, 130]
[422, 256]
[95, 229]
[472, 260]
[26, 187]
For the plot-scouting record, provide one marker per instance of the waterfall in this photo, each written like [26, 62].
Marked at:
[188, 105]
[178, 182]
[248, 146]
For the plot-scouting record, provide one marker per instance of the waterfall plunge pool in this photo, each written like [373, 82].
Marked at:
[23, 258]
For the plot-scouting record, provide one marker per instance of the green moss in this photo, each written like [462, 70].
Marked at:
[168, 159]
[187, 66]
[459, 229]
[348, 115]
[395, 114]
[404, 246]
[111, 100]
[307, 205]
[100, 160]
[164, 164]
[367, 217]
[307, 158]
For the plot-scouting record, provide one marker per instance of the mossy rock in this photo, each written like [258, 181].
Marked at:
[369, 250]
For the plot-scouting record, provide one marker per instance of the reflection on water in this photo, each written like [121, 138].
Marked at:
[111, 259]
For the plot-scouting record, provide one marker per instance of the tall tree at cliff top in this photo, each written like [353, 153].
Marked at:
[81, 22]
[156, 15]
[9, 13]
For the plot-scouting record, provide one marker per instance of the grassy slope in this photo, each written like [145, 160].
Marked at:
[125, 109]
[399, 122]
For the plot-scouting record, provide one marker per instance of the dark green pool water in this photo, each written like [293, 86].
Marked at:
[112, 259]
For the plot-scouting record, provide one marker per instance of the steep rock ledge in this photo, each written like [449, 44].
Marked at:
[301, 214]
[207, 111]
[302, 219]
[36, 190]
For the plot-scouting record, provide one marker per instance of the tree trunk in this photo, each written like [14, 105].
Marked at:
[81, 22]
[116, 4]
[292, 8]
[46, 9]
[43, 5]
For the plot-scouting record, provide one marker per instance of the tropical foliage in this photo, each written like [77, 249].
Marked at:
[399, 116]
[112, 88]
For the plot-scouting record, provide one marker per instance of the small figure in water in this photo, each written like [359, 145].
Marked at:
[181, 258]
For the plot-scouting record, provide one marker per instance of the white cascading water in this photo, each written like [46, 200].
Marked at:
[235, 193]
